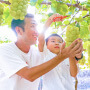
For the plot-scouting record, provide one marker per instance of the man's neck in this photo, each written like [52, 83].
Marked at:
[22, 46]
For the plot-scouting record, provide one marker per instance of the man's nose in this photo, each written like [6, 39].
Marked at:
[36, 32]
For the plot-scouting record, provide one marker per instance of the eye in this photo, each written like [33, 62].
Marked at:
[52, 41]
[32, 25]
[60, 42]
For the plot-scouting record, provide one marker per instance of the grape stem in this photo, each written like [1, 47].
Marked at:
[86, 16]
[6, 2]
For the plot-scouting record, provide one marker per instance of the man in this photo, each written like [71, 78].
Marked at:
[19, 61]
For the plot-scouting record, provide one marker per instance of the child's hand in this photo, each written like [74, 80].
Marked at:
[56, 17]
[50, 20]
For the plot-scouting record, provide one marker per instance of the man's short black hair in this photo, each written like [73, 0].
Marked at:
[20, 23]
[51, 36]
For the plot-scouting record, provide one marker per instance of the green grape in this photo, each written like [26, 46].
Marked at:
[72, 33]
[22, 14]
[10, 1]
[1, 13]
[21, 17]
[13, 13]
[17, 17]
[18, 12]
[21, 4]
[15, 4]
[18, 7]
[24, 6]
[25, 2]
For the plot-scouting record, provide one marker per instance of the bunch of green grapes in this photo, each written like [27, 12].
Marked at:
[18, 8]
[88, 51]
[82, 61]
[72, 33]
[1, 12]
[63, 10]
[59, 7]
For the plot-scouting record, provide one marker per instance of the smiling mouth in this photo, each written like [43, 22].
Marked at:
[56, 47]
[35, 36]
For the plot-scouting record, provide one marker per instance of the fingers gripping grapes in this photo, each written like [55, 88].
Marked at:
[77, 49]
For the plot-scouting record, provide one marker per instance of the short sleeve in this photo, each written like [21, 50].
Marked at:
[10, 62]
[45, 50]
[44, 53]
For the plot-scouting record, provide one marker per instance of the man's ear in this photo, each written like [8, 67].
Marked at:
[19, 30]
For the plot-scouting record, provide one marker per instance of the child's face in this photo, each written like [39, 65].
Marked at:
[54, 43]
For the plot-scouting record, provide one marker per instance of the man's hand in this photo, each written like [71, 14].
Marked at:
[79, 54]
[71, 51]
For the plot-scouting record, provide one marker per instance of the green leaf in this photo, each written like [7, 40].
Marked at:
[66, 22]
[84, 13]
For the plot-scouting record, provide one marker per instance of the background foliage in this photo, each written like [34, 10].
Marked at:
[78, 15]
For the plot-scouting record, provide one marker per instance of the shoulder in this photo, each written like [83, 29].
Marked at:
[4, 45]
[7, 47]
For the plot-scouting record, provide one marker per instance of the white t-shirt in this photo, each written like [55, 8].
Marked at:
[12, 59]
[58, 78]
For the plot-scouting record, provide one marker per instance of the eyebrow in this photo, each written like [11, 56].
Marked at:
[33, 22]
[52, 39]
[58, 39]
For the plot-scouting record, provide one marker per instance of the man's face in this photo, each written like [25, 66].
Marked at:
[30, 33]
[54, 44]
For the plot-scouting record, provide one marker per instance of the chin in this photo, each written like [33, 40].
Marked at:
[57, 53]
[34, 43]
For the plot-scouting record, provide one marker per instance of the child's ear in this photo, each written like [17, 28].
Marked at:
[19, 30]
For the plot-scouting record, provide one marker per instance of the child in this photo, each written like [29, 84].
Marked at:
[60, 78]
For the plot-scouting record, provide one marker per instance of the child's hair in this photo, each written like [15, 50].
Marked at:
[51, 36]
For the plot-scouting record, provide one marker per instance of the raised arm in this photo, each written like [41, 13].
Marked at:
[41, 37]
